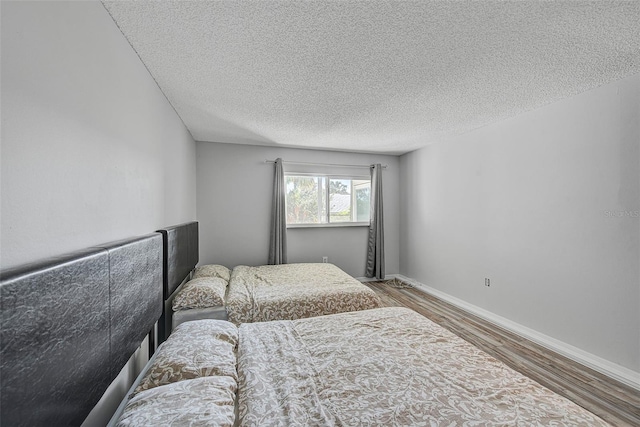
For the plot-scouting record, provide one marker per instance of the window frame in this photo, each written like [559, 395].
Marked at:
[329, 177]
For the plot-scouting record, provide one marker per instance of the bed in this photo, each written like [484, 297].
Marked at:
[384, 367]
[252, 294]
[269, 292]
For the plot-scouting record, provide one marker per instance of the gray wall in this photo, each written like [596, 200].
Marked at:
[547, 206]
[234, 189]
[91, 149]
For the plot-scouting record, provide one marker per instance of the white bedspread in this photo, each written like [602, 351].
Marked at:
[384, 367]
[294, 291]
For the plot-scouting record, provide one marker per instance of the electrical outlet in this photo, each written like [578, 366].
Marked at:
[325, 259]
[487, 282]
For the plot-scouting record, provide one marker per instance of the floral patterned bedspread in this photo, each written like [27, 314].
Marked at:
[294, 291]
[384, 367]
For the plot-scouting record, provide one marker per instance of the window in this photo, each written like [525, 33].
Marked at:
[322, 200]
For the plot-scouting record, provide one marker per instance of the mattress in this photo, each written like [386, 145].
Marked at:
[179, 317]
[388, 366]
[294, 291]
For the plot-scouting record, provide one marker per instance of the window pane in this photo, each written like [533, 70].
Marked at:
[362, 200]
[306, 200]
[322, 200]
[340, 200]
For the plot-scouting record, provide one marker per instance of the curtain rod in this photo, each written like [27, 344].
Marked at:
[325, 164]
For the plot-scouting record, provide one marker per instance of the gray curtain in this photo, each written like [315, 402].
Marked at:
[278, 240]
[375, 250]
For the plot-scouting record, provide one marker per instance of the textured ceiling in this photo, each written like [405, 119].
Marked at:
[372, 76]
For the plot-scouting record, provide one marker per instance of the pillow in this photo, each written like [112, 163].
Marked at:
[203, 292]
[200, 348]
[201, 401]
[212, 270]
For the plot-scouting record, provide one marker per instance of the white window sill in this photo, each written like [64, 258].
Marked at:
[331, 225]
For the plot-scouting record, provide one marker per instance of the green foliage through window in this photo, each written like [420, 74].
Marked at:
[324, 200]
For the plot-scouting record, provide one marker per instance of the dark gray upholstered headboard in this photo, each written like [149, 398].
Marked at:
[135, 275]
[180, 249]
[69, 324]
[180, 254]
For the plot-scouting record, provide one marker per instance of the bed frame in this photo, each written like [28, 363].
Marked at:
[69, 325]
[180, 256]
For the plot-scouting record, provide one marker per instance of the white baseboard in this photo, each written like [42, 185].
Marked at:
[610, 369]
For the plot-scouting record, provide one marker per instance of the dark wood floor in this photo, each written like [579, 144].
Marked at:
[614, 402]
